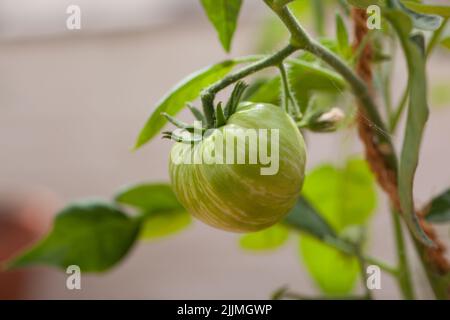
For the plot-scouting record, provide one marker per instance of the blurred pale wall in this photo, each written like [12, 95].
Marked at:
[71, 105]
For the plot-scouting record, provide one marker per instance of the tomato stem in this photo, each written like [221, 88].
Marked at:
[208, 95]
[288, 97]
[404, 274]
[301, 40]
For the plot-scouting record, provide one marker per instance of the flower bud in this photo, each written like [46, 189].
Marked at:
[325, 121]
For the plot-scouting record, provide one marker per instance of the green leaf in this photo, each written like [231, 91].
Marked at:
[439, 211]
[333, 271]
[320, 244]
[161, 213]
[223, 14]
[440, 10]
[440, 95]
[272, 32]
[305, 79]
[342, 36]
[446, 42]
[93, 235]
[366, 3]
[268, 239]
[149, 198]
[158, 225]
[318, 13]
[305, 218]
[420, 20]
[417, 117]
[282, 3]
[313, 77]
[187, 91]
[344, 197]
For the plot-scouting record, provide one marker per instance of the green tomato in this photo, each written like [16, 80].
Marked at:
[236, 196]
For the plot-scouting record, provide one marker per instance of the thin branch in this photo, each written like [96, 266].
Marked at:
[284, 293]
[436, 37]
[382, 265]
[208, 95]
[302, 40]
[288, 98]
[395, 119]
[285, 85]
[404, 273]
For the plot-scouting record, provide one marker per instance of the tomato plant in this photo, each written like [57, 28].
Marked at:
[333, 209]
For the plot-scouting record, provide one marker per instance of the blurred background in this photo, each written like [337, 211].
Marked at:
[71, 105]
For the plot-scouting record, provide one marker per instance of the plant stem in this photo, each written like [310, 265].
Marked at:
[270, 61]
[382, 265]
[436, 37]
[437, 281]
[381, 137]
[362, 268]
[299, 37]
[209, 93]
[301, 40]
[404, 274]
[288, 98]
[284, 293]
[285, 84]
[297, 296]
[319, 15]
[394, 120]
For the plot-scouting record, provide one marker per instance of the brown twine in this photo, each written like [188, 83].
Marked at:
[386, 177]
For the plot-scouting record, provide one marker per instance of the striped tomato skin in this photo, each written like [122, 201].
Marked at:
[237, 197]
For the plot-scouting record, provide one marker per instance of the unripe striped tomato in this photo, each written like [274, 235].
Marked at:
[238, 197]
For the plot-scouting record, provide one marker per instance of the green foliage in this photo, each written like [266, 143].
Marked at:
[149, 198]
[413, 48]
[187, 91]
[305, 218]
[440, 95]
[439, 211]
[365, 3]
[318, 12]
[334, 272]
[342, 37]
[421, 20]
[93, 235]
[306, 78]
[161, 213]
[446, 42]
[281, 3]
[336, 201]
[344, 196]
[159, 225]
[269, 239]
[440, 10]
[424, 16]
[96, 235]
[223, 14]
[274, 32]
[340, 198]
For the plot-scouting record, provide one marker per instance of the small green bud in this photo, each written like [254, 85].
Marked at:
[323, 121]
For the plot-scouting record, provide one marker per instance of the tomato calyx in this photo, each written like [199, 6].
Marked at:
[187, 133]
[232, 104]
